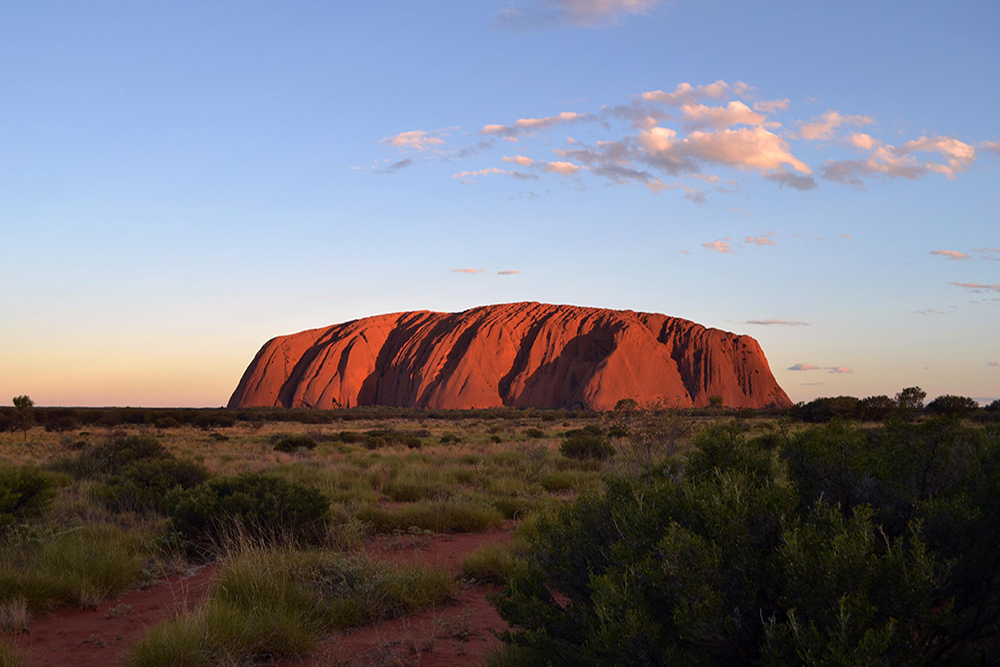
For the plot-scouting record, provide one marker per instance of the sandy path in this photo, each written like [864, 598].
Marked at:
[460, 633]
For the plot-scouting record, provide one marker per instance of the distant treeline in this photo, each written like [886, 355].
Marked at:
[907, 403]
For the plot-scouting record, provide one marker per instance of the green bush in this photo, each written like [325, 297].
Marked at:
[24, 492]
[534, 432]
[293, 443]
[112, 456]
[254, 505]
[150, 485]
[583, 444]
[842, 546]
[451, 516]
[957, 406]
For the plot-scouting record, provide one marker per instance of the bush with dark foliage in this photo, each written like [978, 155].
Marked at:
[958, 406]
[253, 505]
[25, 491]
[584, 443]
[292, 443]
[150, 485]
[838, 546]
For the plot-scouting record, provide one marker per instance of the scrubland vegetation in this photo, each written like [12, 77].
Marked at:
[710, 537]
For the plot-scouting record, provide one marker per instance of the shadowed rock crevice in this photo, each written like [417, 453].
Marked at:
[518, 354]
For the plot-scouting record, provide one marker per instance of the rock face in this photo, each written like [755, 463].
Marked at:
[517, 354]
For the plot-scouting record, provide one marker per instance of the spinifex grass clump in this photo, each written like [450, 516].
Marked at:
[269, 605]
[76, 567]
[150, 485]
[25, 492]
[448, 516]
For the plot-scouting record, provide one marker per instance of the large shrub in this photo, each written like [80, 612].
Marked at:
[843, 547]
[252, 505]
[957, 406]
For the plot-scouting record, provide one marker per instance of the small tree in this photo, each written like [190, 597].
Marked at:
[25, 416]
[715, 402]
[911, 398]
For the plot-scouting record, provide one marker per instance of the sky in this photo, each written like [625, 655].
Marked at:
[180, 182]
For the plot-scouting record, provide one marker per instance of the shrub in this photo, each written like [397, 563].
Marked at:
[826, 409]
[24, 492]
[877, 408]
[534, 432]
[994, 406]
[582, 444]
[957, 406]
[257, 506]
[292, 443]
[150, 485]
[350, 437]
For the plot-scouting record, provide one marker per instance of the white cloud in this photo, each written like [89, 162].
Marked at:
[763, 239]
[777, 322]
[561, 168]
[826, 126]
[415, 139]
[470, 176]
[685, 93]
[585, 13]
[978, 287]
[717, 246]
[771, 106]
[745, 148]
[959, 154]
[862, 141]
[950, 254]
[735, 113]
[525, 125]
[885, 160]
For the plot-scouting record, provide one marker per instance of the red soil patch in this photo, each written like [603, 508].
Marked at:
[101, 637]
[458, 634]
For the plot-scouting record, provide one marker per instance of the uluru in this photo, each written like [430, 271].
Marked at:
[522, 355]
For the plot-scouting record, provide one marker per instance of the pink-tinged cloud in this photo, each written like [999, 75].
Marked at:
[765, 106]
[416, 139]
[519, 160]
[470, 176]
[562, 168]
[774, 322]
[584, 13]
[991, 146]
[993, 364]
[508, 272]
[717, 246]
[953, 255]
[978, 287]
[803, 367]
[686, 93]
[735, 113]
[885, 160]
[846, 236]
[467, 270]
[863, 141]
[524, 125]
[792, 180]
[763, 239]
[842, 370]
[746, 148]
[959, 154]
[825, 128]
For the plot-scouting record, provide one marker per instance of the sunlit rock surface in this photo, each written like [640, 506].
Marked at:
[516, 354]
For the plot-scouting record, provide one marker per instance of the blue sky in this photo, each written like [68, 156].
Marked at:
[181, 182]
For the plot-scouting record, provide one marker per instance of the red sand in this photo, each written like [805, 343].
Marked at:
[101, 637]
[460, 633]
